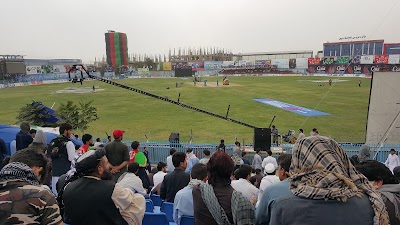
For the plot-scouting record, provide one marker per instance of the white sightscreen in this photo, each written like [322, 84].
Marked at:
[383, 108]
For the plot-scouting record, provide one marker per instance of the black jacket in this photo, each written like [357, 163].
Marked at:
[173, 182]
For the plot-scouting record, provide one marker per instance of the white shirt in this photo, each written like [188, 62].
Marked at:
[97, 144]
[257, 161]
[170, 165]
[132, 182]
[269, 159]
[204, 160]
[301, 135]
[158, 178]
[245, 187]
[392, 161]
[265, 182]
[71, 151]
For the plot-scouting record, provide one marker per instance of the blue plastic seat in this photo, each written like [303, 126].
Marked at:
[168, 209]
[157, 201]
[187, 220]
[155, 219]
[149, 206]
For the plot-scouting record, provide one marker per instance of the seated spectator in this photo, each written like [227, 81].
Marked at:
[91, 197]
[268, 180]
[191, 160]
[175, 181]
[131, 181]
[183, 203]
[383, 180]
[170, 165]
[23, 138]
[32, 132]
[245, 160]
[217, 202]
[254, 181]
[151, 175]
[39, 142]
[243, 185]
[269, 159]
[22, 199]
[365, 153]
[158, 178]
[87, 140]
[206, 158]
[396, 172]
[322, 180]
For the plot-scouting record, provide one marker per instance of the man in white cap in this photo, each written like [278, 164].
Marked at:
[269, 179]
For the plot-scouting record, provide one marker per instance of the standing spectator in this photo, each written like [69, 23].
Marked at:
[87, 140]
[269, 159]
[118, 155]
[131, 181]
[237, 154]
[183, 203]
[243, 185]
[62, 153]
[392, 160]
[301, 134]
[146, 153]
[175, 181]
[39, 142]
[221, 146]
[90, 197]
[245, 160]
[384, 181]
[158, 178]
[23, 138]
[191, 160]
[206, 157]
[135, 149]
[170, 165]
[23, 199]
[217, 202]
[365, 153]
[257, 161]
[275, 135]
[97, 143]
[268, 180]
[323, 180]
[3, 150]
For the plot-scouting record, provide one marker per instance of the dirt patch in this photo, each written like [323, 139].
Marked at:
[213, 84]
[78, 90]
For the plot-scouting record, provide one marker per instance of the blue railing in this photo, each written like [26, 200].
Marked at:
[159, 151]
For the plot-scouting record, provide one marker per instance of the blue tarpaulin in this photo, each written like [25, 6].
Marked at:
[292, 108]
[8, 133]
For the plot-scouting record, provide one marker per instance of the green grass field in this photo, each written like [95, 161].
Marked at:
[141, 115]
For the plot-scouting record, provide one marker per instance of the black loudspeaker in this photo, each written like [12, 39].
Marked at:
[262, 138]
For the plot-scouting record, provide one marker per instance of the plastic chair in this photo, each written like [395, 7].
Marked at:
[187, 220]
[149, 206]
[157, 201]
[154, 219]
[168, 209]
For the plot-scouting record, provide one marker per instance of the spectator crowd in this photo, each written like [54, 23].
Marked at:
[110, 183]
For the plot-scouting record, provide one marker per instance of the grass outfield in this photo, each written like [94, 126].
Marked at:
[141, 115]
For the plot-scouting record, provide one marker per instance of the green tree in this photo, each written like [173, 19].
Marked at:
[78, 116]
[36, 114]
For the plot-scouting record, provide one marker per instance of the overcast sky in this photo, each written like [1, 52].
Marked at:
[75, 28]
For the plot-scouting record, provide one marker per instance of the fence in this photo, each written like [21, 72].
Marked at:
[158, 151]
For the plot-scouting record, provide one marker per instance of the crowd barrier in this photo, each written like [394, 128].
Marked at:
[159, 151]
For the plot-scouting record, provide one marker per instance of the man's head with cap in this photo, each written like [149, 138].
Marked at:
[94, 163]
[269, 169]
[118, 134]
